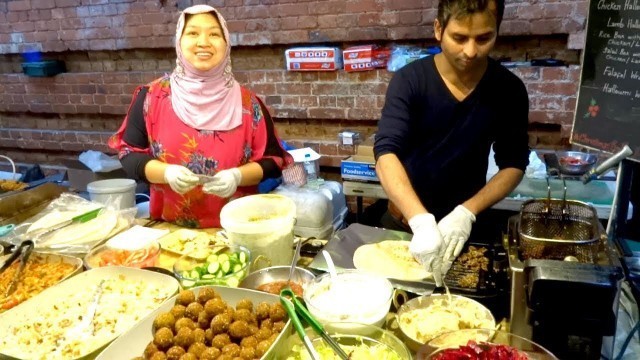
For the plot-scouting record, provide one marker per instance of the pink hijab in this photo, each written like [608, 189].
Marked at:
[205, 100]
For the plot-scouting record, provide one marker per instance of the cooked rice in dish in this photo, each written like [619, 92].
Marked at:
[41, 335]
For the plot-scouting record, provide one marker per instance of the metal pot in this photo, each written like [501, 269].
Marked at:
[276, 273]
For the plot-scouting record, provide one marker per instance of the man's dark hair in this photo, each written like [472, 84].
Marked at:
[460, 8]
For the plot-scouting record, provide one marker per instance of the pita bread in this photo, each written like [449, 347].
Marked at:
[391, 259]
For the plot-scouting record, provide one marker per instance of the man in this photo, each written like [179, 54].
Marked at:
[440, 118]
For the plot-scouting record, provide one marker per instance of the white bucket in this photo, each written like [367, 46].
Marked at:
[263, 224]
[114, 193]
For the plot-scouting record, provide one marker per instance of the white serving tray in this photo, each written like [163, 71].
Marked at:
[24, 313]
[132, 343]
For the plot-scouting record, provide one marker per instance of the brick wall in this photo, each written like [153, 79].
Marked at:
[110, 47]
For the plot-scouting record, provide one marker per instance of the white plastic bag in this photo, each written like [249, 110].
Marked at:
[98, 161]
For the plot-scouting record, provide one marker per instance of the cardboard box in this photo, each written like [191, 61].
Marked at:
[360, 168]
[365, 57]
[313, 59]
[79, 175]
[357, 188]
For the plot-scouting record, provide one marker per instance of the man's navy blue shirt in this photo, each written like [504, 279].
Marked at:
[444, 143]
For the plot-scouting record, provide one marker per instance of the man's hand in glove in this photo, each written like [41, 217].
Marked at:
[455, 229]
[426, 244]
[224, 183]
[179, 178]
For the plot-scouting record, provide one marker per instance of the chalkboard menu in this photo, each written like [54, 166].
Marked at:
[608, 108]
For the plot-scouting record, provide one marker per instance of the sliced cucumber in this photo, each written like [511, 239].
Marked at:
[194, 274]
[243, 257]
[188, 283]
[236, 268]
[208, 277]
[233, 282]
[226, 266]
[222, 258]
[213, 267]
[212, 258]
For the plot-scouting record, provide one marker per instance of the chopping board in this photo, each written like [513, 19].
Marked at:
[345, 242]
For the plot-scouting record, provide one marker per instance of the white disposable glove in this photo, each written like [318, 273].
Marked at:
[224, 183]
[180, 179]
[426, 244]
[455, 229]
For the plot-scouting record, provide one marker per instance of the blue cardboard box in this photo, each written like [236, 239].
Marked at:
[359, 168]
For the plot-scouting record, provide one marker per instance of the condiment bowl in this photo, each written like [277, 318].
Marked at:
[485, 338]
[353, 296]
[257, 280]
[426, 317]
[575, 162]
[382, 344]
[223, 265]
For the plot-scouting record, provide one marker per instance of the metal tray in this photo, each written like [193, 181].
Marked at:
[345, 242]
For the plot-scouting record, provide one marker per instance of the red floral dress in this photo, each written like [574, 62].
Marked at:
[203, 152]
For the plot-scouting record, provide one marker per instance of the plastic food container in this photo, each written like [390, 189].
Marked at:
[136, 255]
[224, 265]
[353, 296]
[374, 341]
[486, 339]
[117, 193]
[264, 225]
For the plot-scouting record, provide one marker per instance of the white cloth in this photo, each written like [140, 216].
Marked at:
[426, 244]
[180, 179]
[224, 183]
[455, 229]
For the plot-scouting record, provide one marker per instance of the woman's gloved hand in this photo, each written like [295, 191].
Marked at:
[224, 183]
[179, 178]
[455, 229]
[426, 244]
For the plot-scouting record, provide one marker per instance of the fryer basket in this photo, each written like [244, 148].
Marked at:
[555, 229]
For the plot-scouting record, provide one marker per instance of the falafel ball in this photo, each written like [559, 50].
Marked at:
[248, 353]
[245, 304]
[262, 310]
[185, 297]
[163, 338]
[158, 356]
[266, 324]
[197, 349]
[184, 337]
[263, 334]
[205, 295]
[220, 340]
[164, 320]
[204, 320]
[277, 312]
[249, 341]
[199, 336]
[245, 315]
[185, 322]
[188, 356]
[231, 350]
[178, 311]
[239, 329]
[150, 350]
[278, 326]
[193, 310]
[210, 354]
[262, 348]
[220, 323]
[175, 352]
[215, 306]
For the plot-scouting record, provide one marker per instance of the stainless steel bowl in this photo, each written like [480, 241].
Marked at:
[575, 162]
[277, 273]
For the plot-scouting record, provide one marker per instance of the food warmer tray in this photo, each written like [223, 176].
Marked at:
[345, 242]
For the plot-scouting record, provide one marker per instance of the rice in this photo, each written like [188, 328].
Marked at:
[41, 335]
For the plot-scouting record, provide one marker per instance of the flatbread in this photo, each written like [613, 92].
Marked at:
[391, 259]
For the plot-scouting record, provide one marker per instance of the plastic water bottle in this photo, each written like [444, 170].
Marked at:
[310, 168]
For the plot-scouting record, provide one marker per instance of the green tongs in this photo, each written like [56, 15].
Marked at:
[296, 309]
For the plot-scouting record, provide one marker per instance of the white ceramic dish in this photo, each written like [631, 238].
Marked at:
[82, 287]
[132, 343]
[53, 258]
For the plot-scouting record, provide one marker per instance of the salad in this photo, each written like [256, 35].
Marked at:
[481, 351]
[361, 351]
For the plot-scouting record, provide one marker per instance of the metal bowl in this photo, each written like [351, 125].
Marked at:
[575, 162]
[277, 273]
[426, 301]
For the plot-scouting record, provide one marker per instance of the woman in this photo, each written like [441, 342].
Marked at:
[198, 121]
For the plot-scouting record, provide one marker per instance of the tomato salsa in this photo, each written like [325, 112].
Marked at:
[275, 287]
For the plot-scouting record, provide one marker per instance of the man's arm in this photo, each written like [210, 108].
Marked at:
[500, 185]
[396, 184]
